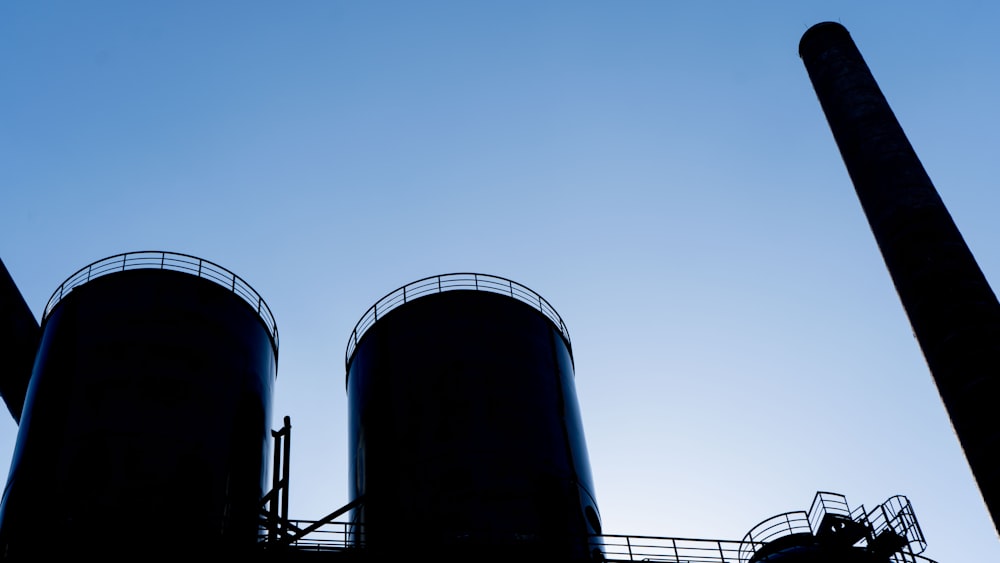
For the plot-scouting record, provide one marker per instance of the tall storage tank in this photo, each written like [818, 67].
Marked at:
[147, 420]
[465, 432]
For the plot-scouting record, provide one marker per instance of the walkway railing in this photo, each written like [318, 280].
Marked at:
[668, 550]
[895, 515]
[337, 536]
[157, 260]
[451, 282]
[771, 529]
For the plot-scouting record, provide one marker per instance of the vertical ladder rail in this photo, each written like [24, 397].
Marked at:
[286, 470]
[277, 499]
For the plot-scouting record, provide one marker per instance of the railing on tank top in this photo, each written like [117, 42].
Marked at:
[451, 282]
[159, 260]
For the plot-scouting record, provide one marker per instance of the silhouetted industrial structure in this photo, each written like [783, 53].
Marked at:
[463, 412]
[144, 401]
[953, 311]
[149, 406]
[18, 343]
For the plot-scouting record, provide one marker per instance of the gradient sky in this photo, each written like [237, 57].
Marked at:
[661, 172]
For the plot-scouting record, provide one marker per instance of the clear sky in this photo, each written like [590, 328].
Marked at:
[661, 172]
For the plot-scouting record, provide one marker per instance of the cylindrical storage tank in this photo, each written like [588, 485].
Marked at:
[146, 425]
[465, 433]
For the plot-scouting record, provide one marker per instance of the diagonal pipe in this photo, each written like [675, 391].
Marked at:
[19, 334]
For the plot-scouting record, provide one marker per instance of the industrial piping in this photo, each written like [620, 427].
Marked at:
[953, 311]
[19, 335]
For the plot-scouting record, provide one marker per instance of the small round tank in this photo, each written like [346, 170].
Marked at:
[465, 432]
[147, 418]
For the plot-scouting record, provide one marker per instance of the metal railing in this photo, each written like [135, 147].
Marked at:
[831, 503]
[341, 536]
[668, 550]
[451, 282]
[159, 260]
[896, 515]
[330, 536]
[771, 529]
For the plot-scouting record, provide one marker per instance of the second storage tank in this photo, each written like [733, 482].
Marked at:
[465, 432]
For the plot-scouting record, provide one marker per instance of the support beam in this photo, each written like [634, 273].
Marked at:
[19, 334]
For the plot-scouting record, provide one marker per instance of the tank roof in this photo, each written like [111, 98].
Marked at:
[161, 260]
[461, 281]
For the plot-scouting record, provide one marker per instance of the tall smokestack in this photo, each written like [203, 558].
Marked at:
[952, 309]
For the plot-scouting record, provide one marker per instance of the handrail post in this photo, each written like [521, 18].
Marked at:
[628, 543]
[277, 517]
[287, 469]
[272, 509]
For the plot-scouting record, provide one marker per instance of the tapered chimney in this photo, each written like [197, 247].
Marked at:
[951, 307]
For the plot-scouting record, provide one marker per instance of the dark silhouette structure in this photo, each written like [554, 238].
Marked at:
[951, 307]
[149, 410]
[144, 403]
[18, 341]
[834, 532]
[146, 426]
[463, 414]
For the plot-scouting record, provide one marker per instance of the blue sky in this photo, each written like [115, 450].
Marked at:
[661, 172]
